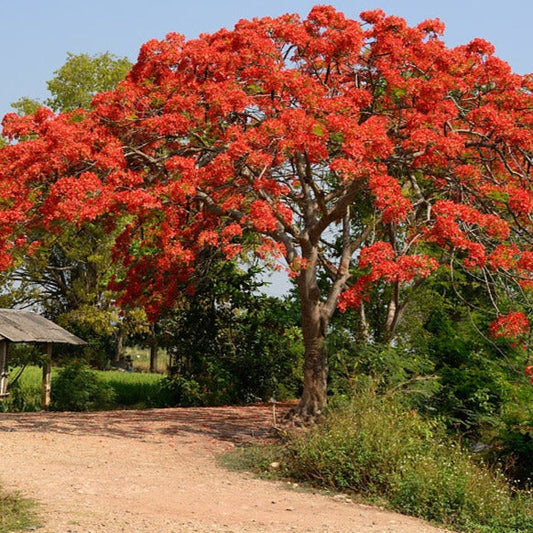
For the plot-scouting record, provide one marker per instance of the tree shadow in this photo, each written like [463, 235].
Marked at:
[234, 424]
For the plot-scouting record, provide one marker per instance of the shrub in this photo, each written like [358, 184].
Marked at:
[372, 446]
[177, 390]
[77, 388]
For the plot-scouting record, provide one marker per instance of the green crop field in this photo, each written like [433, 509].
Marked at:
[132, 389]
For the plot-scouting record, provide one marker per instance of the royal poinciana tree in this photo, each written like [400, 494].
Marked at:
[360, 152]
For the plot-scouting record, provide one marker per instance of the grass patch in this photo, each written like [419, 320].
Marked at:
[16, 513]
[25, 395]
[257, 459]
[374, 448]
[134, 389]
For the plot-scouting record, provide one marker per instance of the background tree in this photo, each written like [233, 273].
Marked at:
[26, 105]
[361, 153]
[227, 342]
[82, 77]
[75, 84]
[67, 276]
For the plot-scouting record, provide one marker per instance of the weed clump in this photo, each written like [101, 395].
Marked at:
[16, 513]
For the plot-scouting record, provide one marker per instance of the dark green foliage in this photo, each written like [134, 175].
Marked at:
[177, 390]
[446, 365]
[352, 359]
[512, 443]
[474, 378]
[77, 388]
[229, 344]
[482, 390]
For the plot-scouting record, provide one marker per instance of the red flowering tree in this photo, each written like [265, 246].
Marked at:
[365, 151]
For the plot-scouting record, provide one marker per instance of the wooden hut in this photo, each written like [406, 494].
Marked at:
[27, 327]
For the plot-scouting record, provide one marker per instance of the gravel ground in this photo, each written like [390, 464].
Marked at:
[156, 471]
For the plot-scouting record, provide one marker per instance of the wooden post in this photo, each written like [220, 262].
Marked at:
[3, 369]
[47, 378]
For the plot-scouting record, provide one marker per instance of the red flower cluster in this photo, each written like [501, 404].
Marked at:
[511, 325]
[380, 259]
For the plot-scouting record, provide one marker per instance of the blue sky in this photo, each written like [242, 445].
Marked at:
[35, 35]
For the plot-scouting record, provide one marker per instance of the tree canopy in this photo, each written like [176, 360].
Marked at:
[361, 152]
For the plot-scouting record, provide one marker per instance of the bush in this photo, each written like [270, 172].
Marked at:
[77, 388]
[374, 447]
[176, 390]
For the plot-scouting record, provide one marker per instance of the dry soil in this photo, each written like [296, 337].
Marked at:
[156, 471]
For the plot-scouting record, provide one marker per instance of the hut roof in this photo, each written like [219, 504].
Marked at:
[25, 326]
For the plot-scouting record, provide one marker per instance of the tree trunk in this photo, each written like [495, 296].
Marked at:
[153, 350]
[120, 345]
[315, 319]
[314, 395]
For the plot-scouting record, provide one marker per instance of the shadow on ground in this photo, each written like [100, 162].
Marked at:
[236, 424]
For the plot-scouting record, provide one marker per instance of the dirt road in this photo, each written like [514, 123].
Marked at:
[156, 471]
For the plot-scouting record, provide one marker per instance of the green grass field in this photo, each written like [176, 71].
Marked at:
[132, 389]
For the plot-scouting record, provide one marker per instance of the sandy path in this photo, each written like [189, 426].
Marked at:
[155, 471]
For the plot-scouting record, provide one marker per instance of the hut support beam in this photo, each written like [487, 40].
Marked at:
[47, 378]
[3, 369]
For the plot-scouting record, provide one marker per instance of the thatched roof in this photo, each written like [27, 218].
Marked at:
[24, 326]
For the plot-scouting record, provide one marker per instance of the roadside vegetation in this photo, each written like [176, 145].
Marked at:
[16, 513]
[438, 426]
[375, 449]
